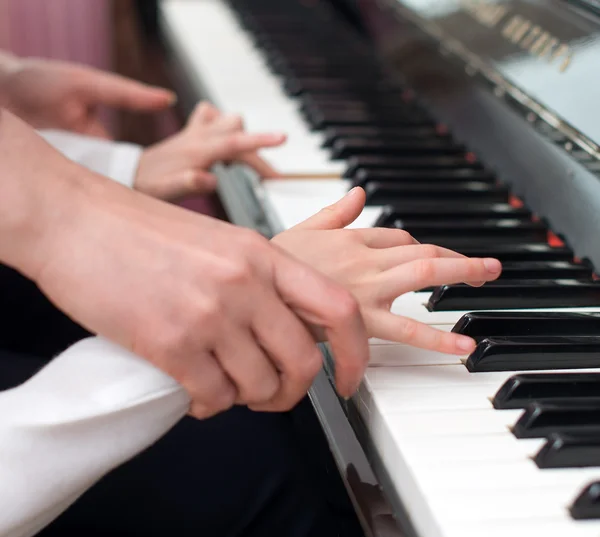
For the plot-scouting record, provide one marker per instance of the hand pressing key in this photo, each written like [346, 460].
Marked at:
[378, 265]
[180, 165]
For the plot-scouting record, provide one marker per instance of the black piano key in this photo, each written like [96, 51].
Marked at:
[388, 193]
[516, 294]
[587, 505]
[518, 252]
[363, 176]
[313, 102]
[425, 210]
[543, 419]
[546, 270]
[373, 89]
[357, 118]
[408, 163]
[350, 147]
[568, 450]
[480, 324]
[519, 391]
[337, 108]
[430, 230]
[382, 133]
[534, 353]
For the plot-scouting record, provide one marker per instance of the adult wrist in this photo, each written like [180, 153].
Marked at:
[40, 193]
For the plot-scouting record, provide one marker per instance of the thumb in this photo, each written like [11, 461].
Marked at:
[338, 215]
[120, 92]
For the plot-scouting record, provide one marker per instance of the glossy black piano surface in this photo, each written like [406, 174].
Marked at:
[476, 123]
[516, 81]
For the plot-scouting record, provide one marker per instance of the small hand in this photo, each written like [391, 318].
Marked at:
[179, 166]
[54, 94]
[378, 265]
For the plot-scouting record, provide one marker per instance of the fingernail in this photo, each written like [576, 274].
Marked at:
[465, 344]
[353, 191]
[492, 265]
[173, 99]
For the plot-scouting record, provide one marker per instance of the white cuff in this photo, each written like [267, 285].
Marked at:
[117, 160]
[91, 409]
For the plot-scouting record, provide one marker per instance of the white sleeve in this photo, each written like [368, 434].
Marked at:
[117, 160]
[89, 410]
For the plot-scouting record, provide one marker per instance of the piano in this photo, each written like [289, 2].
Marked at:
[473, 124]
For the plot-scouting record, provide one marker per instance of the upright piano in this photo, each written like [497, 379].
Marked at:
[473, 124]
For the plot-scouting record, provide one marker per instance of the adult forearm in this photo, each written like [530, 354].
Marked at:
[39, 189]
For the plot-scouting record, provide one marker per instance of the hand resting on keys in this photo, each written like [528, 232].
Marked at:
[61, 95]
[378, 265]
[178, 166]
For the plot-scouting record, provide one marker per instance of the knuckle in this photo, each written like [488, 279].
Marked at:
[200, 411]
[260, 393]
[251, 242]
[408, 328]
[424, 270]
[167, 346]
[206, 311]
[224, 398]
[430, 251]
[237, 121]
[346, 307]
[407, 238]
[238, 272]
[309, 366]
[236, 142]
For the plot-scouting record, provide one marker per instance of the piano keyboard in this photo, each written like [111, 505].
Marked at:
[487, 445]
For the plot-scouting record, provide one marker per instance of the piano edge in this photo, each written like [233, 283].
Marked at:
[340, 421]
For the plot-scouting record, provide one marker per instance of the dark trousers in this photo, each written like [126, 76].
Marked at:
[238, 474]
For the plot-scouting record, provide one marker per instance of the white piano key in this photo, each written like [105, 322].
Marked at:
[550, 525]
[404, 355]
[455, 464]
[413, 305]
[234, 75]
[293, 201]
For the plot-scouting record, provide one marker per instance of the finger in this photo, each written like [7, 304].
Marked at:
[120, 92]
[339, 215]
[388, 258]
[250, 370]
[199, 182]
[321, 302]
[433, 272]
[380, 237]
[204, 114]
[293, 351]
[230, 147]
[202, 377]
[227, 124]
[260, 166]
[385, 325]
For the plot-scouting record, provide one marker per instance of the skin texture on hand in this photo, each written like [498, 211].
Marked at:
[179, 166]
[219, 308]
[378, 265]
[60, 95]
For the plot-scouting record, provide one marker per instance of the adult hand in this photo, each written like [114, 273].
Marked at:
[378, 265]
[54, 94]
[217, 307]
[179, 166]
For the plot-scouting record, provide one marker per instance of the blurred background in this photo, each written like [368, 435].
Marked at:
[116, 35]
